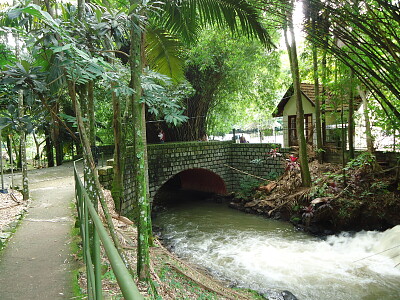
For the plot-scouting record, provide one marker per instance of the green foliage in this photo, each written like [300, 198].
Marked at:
[247, 187]
[346, 208]
[384, 117]
[296, 208]
[319, 190]
[380, 187]
[7, 57]
[257, 161]
[185, 17]
[365, 48]
[110, 275]
[24, 76]
[163, 98]
[273, 175]
[335, 177]
[163, 52]
[295, 220]
[365, 159]
[10, 118]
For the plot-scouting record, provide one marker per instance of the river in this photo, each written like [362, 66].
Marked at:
[253, 252]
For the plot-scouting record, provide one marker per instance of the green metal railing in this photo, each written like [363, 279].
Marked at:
[91, 250]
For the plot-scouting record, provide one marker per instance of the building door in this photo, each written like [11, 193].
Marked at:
[308, 130]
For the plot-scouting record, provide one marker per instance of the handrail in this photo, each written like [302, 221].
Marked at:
[87, 210]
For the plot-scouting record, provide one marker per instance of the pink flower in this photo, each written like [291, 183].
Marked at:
[274, 153]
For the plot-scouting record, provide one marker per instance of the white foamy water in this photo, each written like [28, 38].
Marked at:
[263, 254]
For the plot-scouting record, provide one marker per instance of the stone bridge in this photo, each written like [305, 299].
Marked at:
[204, 166]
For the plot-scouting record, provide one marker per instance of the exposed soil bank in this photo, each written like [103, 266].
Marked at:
[364, 197]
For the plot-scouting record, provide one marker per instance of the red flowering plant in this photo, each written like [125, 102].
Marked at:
[308, 213]
[292, 163]
[273, 153]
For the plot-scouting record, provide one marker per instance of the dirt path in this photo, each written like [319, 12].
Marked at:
[36, 263]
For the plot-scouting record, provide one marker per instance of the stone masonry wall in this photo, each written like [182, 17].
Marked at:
[167, 160]
[254, 159]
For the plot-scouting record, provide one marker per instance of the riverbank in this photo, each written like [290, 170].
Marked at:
[362, 196]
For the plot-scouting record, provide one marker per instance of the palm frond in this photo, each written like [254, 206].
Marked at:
[162, 53]
[238, 15]
[177, 20]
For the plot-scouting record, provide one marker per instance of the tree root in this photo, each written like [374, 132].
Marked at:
[291, 197]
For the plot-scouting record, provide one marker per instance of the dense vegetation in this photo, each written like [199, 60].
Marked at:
[74, 76]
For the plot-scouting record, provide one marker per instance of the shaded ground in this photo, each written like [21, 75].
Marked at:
[36, 263]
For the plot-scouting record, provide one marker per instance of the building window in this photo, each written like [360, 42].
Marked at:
[308, 129]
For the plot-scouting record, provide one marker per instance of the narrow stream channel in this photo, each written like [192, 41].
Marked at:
[262, 254]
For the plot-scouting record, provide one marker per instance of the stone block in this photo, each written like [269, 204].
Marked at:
[105, 170]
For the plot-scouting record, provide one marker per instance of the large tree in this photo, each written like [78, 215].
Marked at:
[294, 67]
[235, 81]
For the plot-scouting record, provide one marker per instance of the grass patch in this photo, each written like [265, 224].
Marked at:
[76, 252]
[76, 289]
[252, 293]
[182, 287]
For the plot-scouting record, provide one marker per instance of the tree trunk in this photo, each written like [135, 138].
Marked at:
[368, 131]
[351, 128]
[91, 120]
[37, 145]
[81, 9]
[140, 148]
[324, 95]
[9, 147]
[49, 148]
[317, 103]
[90, 112]
[24, 165]
[294, 66]
[90, 165]
[55, 135]
[49, 8]
[59, 152]
[18, 154]
[119, 150]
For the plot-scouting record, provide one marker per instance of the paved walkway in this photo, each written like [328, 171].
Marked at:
[37, 263]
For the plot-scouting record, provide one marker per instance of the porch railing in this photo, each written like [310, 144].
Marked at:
[91, 251]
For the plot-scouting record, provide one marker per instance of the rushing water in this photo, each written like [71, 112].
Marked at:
[263, 254]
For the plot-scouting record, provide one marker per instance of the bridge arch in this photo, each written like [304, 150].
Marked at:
[189, 184]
